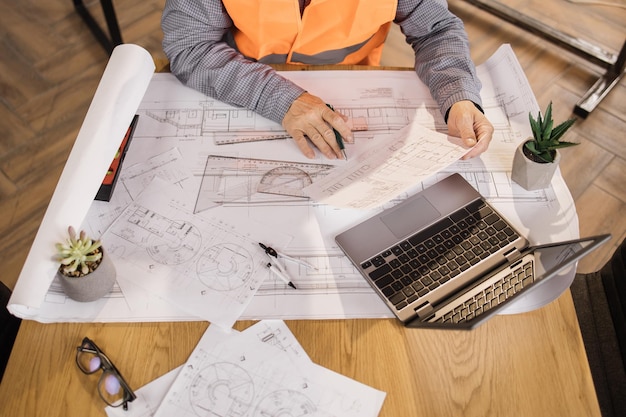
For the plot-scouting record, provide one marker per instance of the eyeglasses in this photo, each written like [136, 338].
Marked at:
[113, 389]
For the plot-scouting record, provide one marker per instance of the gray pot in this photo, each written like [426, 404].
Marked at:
[92, 286]
[532, 175]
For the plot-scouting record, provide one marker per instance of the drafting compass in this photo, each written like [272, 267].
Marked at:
[273, 253]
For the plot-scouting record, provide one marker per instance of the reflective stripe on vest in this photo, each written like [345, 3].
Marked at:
[329, 31]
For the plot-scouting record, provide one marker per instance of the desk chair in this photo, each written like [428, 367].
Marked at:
[600, 302]
[615, 63]
[115, 37]
[9, 325]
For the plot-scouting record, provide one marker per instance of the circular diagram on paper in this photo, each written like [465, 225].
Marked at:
[224, 267]
[175, 243]
[221, 390]
[285, 403]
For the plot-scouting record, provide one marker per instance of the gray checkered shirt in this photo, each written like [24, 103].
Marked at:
[194, 32]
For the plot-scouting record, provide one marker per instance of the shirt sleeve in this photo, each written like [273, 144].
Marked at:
[194, 32]
[442, 57]
[199, 57]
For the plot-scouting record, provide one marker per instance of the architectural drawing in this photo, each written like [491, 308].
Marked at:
[221, 389]
[227, 125]
[369, 109]
[244, 377]
[204, 266]
[225, 267]
[266, 193]
[274, 333]
[167, 241]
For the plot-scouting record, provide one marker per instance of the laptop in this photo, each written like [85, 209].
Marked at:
[445, 258]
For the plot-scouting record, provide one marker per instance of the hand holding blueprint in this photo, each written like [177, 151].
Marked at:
[387, 168]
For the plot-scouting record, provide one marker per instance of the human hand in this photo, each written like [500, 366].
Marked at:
[468, 123]
[310, 117]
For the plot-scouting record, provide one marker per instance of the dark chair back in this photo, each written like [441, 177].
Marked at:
[600, 301]
[9, 325]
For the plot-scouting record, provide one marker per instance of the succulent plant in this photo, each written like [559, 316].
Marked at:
[546, 139]
[78, 255]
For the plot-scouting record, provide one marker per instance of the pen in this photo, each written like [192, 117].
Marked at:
[280, 275]
[338, 137]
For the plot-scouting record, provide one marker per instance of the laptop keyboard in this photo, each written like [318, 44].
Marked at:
[486, 297]
[430, 258]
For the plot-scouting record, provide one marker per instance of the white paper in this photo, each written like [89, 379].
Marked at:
[122, 86]
[242, 376]
[204, 266]
[149, 397]
[387, 169]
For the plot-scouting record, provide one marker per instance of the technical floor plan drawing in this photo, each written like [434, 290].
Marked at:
[376, 108]
[243, 377]
[206, 267]
[274, 333]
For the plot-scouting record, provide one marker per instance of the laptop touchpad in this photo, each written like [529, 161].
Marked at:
[411, 217]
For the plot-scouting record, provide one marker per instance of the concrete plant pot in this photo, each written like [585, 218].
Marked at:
[92, 286]
[532, 175]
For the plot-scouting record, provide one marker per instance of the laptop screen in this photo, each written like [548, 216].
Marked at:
[549, 261]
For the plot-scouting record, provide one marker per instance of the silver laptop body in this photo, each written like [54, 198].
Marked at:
[433, 255]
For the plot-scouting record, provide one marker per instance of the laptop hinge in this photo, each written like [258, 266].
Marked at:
[513, 255]
[425, 311]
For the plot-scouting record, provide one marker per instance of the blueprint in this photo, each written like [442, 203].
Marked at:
[240, 173]
[205, 266]
[272, 332]
[387, 169]
[245, 377]
[262, 179]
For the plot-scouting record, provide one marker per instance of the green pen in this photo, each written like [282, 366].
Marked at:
[338, 137]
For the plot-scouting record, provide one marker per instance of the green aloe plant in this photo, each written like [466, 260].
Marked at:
[546, 139]
[79, 255]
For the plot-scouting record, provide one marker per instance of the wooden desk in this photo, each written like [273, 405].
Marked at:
[533, 364]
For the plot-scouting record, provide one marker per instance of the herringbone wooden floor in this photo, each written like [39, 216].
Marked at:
[50, 66]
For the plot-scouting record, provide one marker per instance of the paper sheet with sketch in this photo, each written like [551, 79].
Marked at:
[273, 332]
[387, 168]
[243, 376]
[203, 265]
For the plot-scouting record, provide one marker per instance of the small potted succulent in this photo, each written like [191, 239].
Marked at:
[85, 273]
[535, 160]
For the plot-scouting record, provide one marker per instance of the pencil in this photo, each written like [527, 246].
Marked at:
[338, 138]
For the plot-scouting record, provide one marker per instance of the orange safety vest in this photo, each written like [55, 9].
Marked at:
[328, 32]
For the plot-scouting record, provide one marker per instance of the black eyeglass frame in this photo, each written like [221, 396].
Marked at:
[106, 365]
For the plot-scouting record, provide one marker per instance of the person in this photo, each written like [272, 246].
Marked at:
[222, 48]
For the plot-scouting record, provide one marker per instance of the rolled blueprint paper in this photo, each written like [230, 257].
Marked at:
[122, 86]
